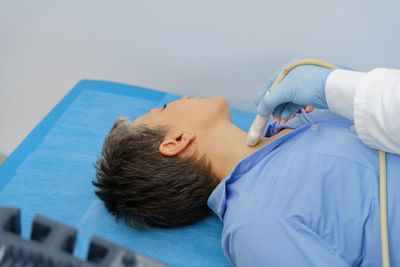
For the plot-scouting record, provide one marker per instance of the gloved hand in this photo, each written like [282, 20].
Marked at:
[304, 85]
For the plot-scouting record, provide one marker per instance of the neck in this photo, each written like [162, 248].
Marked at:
[226, 146]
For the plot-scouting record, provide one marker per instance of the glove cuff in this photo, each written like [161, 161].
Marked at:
[323, 85]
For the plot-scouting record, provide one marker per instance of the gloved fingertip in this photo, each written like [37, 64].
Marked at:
[278, 110]
[276, 113]
[263, 111]
[289, 111]
[259, 96]
[285, 115]
[257, 101]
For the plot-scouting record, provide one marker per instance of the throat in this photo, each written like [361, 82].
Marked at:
[234, 150]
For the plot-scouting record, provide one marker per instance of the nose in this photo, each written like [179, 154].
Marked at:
[186, 97]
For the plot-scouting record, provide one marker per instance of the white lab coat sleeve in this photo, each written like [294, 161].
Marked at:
[372, 101]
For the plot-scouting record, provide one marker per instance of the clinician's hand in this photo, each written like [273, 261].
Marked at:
[304, 85]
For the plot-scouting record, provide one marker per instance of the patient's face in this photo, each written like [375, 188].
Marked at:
[188, 113]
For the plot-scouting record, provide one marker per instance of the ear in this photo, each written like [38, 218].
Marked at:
[176, 143]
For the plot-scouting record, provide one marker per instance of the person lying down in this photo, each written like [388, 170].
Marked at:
[306, 195]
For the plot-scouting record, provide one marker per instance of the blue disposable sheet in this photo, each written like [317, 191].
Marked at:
[50, 173]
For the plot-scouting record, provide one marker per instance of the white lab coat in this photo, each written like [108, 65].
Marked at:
[372, 101]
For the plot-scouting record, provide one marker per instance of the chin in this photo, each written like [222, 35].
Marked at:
[223, 106]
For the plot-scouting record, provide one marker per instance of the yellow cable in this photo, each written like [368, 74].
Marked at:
[306, 61]
[382, 160]
[383, 209]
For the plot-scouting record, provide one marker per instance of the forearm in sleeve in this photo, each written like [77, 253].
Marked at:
[372, 101]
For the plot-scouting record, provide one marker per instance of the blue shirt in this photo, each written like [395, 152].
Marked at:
[309, 198]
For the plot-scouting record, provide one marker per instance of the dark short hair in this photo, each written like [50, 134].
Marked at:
[146, 188]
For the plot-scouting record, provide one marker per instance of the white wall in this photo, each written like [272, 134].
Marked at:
[204, 48]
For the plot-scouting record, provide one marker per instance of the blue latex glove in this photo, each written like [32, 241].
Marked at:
[304, 85]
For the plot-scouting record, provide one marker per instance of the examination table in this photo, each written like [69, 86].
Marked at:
[51, 171]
